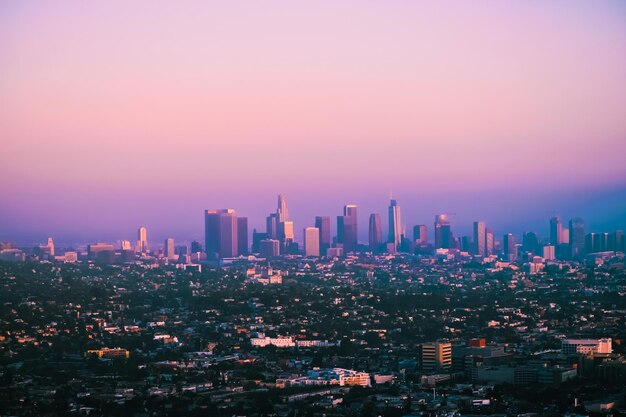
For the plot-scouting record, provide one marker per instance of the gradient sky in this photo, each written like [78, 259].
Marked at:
[118, 114]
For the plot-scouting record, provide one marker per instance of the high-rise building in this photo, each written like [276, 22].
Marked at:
[272, 226]
[436, 356]
[490, 242]
[323, 224]
[196, 247]
[125, 245]
[242, 235]
[229, 238]
[269, 248]
[509, 247]
[606, 242]
[531, 243]
[46, 251]
[443, 232]
[556, 232]
[395, 224]
[212, 233]
[281, 210]
[480, 240]
[347, 228]
[169, 250]
[549, 253]
[312, 241]
[592, 243]
[420, 234]
[619, 241]
[375, 232]
[285, 233]
[142, 240]
[577, 237]
[257, 237]
[222, 239]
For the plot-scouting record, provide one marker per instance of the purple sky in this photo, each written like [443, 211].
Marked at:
[118, 114]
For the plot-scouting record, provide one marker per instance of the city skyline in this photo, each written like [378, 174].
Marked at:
[515, 112]
[462, 223]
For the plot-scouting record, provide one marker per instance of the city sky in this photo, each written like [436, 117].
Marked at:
[120, 114]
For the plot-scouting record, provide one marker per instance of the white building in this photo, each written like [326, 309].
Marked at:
[586, 346]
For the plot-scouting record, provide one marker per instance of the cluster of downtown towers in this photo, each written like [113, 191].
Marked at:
[226, 236]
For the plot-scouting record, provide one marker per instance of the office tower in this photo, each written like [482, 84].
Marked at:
[311, 241]
[125, 245]
[257, 237]
[605, 242]
[375, 232]
[46, 251]
[443, 232]
[395, 224]
[221, 235]
[480, 239]
[212, 233]
[347, 228]
[509, 247]
[281, 210]
[196, 247]
[228, 235]
[531, 243]
[101, 252]
[549, 253]
[466, 244]
[285, 234]
[169, 250]
[180, 250]
[323, 223]
[142, 240]
[420, 234]
[242, 235]
[272, 226]
[592, 243]
[436, 355]
[577, 237]
[555, 231]
[619, 241]
[489, 242]
[564, 235]
[269, 248]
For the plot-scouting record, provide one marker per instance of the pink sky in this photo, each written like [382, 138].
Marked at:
[151, 100]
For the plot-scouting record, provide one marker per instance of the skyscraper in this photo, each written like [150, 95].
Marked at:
[221, 234]
[347, 228]
[281, 210]
[592, 243]
[269, 248]
[577, 237]
[489, 242]
[509, 247]
[272, 226]
[395, 225]
[555, 231]
[323, 224]
[229, 244]
[196, 247]
[212, 233]
[312, 241]
[531, 243]
[168, 250]
[375, 232]
[142, 240]
[479, 238]
[242, 235]
[443, 232]
[420, 234]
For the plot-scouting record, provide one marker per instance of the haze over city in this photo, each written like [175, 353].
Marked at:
[120, 115]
